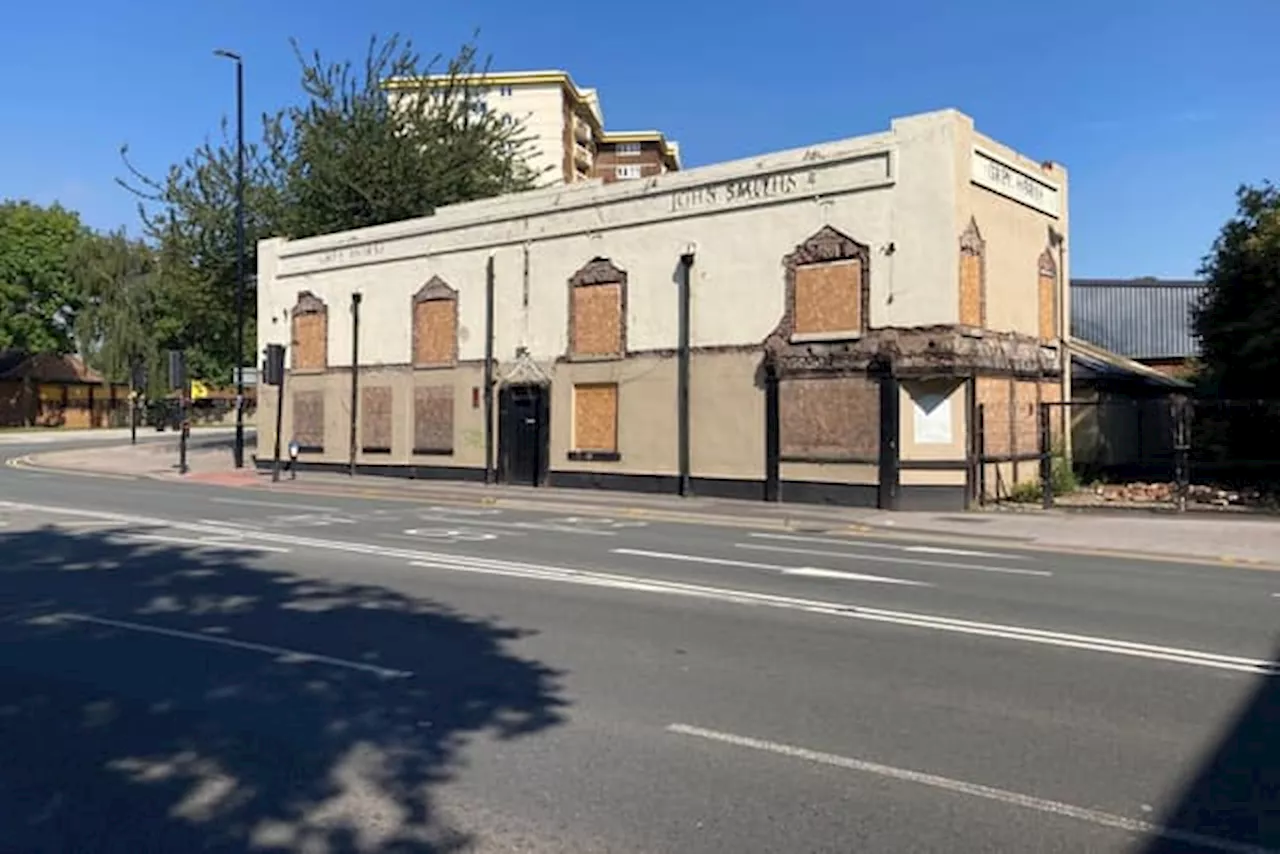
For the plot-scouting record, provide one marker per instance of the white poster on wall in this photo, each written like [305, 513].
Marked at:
[932, 418]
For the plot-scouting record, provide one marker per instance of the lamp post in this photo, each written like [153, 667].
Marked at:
[239, 447]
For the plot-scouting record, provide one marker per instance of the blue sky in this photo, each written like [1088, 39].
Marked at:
[1159, 108]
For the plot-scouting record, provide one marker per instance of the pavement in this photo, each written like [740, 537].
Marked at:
[198, 666]
[1220, 538]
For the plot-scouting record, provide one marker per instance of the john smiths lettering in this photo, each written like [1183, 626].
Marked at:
[771, 186]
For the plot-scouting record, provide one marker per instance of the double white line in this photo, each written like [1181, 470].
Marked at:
[536, 572]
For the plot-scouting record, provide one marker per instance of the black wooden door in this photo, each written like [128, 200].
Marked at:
[523, 434]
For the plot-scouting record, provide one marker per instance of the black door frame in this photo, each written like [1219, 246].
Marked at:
[506, 431]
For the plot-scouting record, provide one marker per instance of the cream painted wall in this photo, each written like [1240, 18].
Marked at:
[912, 394]
[900, 192]
[541, 108]
[1015, 234]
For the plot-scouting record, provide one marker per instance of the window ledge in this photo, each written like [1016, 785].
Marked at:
[311, 449]
[433, 452]
[434, 366]
[375, 449]
[817, 337]
[595, 357]
[595, 456]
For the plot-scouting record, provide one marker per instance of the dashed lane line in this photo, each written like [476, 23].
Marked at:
[1201, 842]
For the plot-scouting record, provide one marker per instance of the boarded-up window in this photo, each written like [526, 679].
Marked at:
[433, 419]
[999, 415]
[375, 420]
[972, 275]
[595, 417]
[1048, 296]
[310, 333]
[308, 420]
[835, 418]
[828, 298]
[1026, 418]
[435, 324]
[598, 310]
[597, 329]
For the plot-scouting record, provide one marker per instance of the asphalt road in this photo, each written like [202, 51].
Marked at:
[209, 669]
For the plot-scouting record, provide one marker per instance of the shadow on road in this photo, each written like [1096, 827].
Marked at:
[1234, 791]
[119, 738]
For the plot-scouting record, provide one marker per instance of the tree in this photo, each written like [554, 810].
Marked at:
[189, 223]
[122, 304]
[38, 290]
[386, 144]
[1239, 320]
[348, 157]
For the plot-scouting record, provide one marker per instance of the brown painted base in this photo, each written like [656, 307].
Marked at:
[920, 498]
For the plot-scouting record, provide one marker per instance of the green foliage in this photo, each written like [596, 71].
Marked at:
[1239, 320]
[1062, 481]
[39, 296]
[124, 309]
[349, 156]
[379, 144]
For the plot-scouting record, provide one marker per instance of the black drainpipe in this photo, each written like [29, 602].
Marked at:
[488, 372]
[682, 374]
[355, 374]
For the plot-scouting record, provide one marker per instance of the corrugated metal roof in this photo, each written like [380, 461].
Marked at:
[1138, 318]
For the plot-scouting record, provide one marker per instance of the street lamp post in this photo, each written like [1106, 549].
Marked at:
[235, 57]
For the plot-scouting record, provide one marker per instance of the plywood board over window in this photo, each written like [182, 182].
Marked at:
[435, 325]
[433, 420]
[828, 298]
[973, 274]
[375, 419]
[598, 311]
[1048, 296]
[829, 419]
[308, 420]
[595, 418]
[827, 284]
[310, 321]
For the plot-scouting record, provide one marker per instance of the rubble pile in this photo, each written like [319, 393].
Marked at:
[1166, 493]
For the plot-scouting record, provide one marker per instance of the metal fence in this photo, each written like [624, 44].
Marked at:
[1165, 451]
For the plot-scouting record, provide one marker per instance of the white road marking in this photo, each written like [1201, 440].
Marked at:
[276, 504]
[464, 511]
[786, 570]
[450, 535]
[239, 525]
[825, 541]
[522, 526]
[939, 550]
[851, 542]
[1005, 570]
[283, 652]
[203, 543]
[466, 563]
[816, 572]
[976, 790]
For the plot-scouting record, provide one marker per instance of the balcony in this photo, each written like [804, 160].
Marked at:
[581, 131]
[583, 156]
